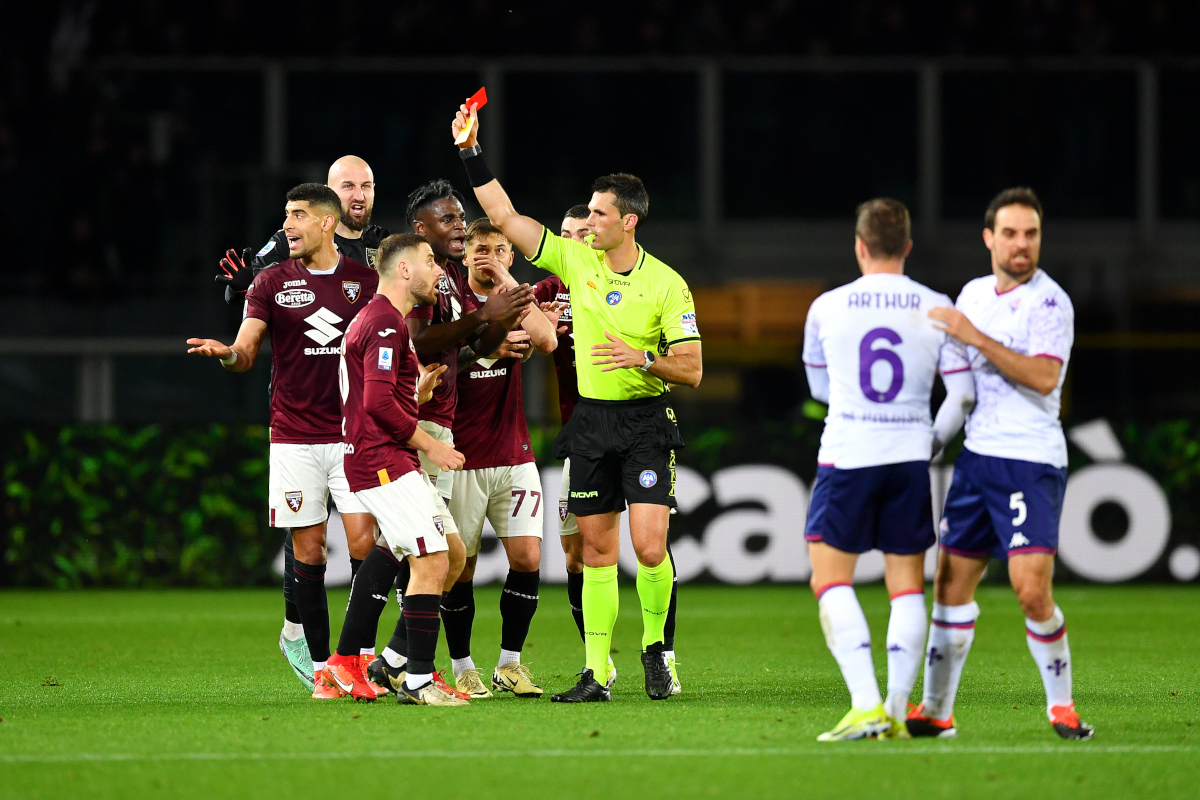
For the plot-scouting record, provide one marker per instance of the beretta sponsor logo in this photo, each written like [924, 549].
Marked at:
[295, 298]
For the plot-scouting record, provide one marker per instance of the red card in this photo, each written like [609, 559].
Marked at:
[479, 99]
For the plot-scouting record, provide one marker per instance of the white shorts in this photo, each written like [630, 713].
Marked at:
[442, 480]
[448, 526]
[508, 497]
[302, 478]
[567, 524]
[408, 519]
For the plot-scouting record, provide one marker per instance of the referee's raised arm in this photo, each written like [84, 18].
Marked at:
[524, 232]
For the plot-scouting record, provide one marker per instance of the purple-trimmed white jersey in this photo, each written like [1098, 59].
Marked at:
[1035, 318]
[881, 351]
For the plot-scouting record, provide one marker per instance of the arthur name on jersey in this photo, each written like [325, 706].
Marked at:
[883, 300]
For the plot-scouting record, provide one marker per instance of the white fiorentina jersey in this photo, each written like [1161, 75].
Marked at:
[1009, 420]
[881, 351]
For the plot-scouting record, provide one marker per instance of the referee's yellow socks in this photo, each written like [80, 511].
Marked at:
[654, 590]
[600, 604]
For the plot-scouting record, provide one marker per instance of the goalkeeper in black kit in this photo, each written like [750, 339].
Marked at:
[355, 237]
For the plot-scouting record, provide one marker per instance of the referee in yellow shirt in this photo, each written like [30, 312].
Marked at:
[635, 333]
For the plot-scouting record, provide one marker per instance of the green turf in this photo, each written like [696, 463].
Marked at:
[184, 693]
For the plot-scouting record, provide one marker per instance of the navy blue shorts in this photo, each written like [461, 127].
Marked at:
[884, 508]
[1001, 507]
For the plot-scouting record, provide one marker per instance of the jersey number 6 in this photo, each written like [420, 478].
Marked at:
[867, 356]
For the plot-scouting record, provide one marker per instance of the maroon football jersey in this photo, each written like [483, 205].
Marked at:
[552, 290]
[306, 315]
[377, 348]
[449, 307]
[489, 426]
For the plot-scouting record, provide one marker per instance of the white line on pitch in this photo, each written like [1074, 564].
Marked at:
[834, 750]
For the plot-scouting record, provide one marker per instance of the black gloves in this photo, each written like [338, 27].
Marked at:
[236, 271]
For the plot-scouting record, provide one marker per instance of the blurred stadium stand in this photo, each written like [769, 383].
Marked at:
[139, 140]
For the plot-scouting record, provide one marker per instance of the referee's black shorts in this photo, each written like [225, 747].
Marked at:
[621, 451]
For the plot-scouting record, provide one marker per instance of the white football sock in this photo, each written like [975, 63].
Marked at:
[417, 681]
[1048, 645]
[461, 665]
[905, 650]
[393, 658]
[292, 630]
[508, 657]
[317, 667]
[366, 651]
[951, 632]
[849, 640]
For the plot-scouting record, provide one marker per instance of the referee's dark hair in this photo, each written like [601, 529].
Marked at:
[427, 194]
[392, 247]
[578, 212]
[884, 227]
[317, 195]
[1016, 196]
[629, 193]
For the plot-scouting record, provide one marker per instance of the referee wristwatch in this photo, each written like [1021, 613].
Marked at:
[469, 152]
[650, 357]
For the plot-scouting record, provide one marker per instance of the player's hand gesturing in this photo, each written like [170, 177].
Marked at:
[235, 269]
[210, 347]
[616, 354]
[554, 311]
[431, 378]
[515, 345]
[507, 305]
[955, 323]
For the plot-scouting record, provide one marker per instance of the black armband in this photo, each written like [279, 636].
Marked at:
[477, 169]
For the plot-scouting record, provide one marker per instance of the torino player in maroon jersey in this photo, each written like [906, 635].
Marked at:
[500, 481]
[304, 303]
[438, 330]
[554, 298]
[381, 386]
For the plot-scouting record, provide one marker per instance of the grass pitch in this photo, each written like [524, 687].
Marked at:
[184, 694]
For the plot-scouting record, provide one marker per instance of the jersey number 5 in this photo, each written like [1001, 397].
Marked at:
[867, 356]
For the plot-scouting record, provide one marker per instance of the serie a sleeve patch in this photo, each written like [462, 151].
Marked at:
[385, 358]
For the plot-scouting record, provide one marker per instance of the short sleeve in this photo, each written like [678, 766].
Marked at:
[678, 312]
[258, 299]
[1052, 327]
[953, 356]
[380, 356]
[813, 354]
[560, 255]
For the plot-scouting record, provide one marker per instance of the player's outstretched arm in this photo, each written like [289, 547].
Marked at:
[240, 356]
[960, 399]
[1039, 373]
[683, 365]
[524, 232]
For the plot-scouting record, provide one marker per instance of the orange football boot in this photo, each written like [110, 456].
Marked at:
[325, 688]
[346, 672]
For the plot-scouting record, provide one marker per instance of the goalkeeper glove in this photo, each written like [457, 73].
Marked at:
[235, 270]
